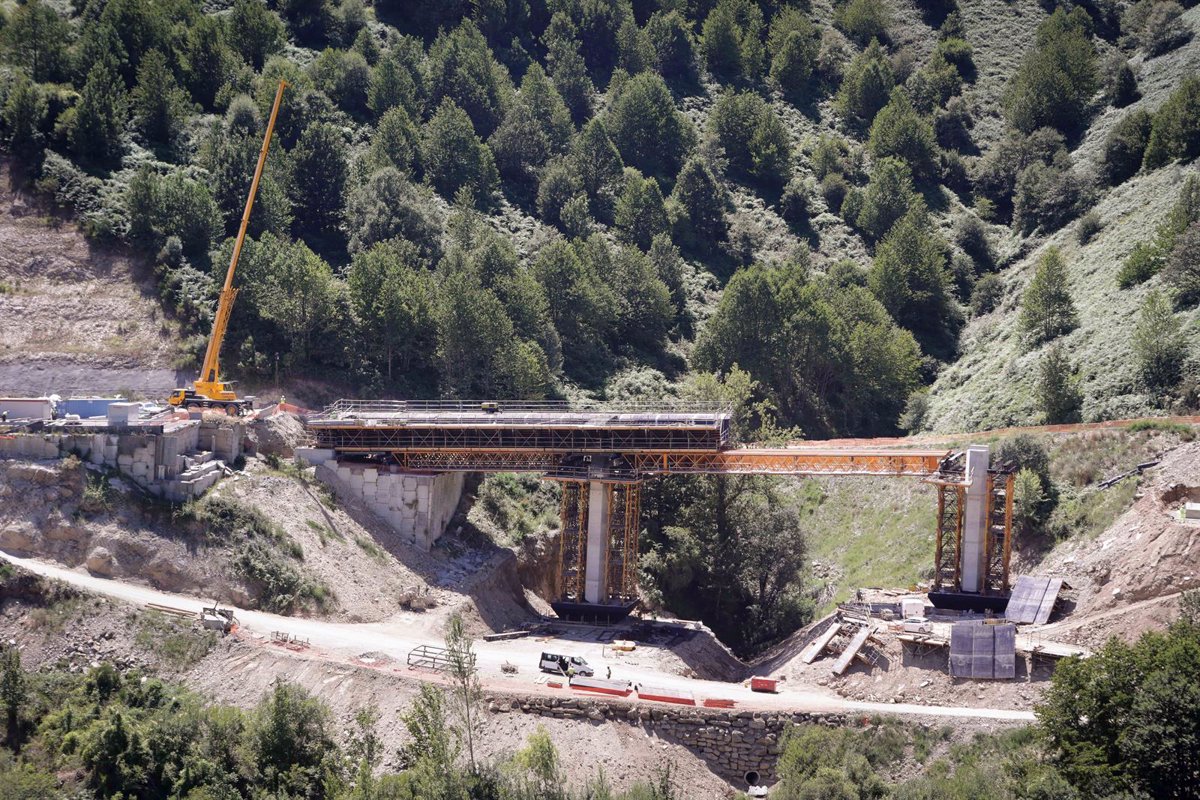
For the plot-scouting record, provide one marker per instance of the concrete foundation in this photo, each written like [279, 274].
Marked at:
[418, 507]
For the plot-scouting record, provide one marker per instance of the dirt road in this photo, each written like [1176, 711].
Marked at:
[400, 634]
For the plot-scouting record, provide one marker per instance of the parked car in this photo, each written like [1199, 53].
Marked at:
[562, 665]
[918, 625]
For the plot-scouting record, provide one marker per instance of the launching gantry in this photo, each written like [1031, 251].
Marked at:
[602, 455]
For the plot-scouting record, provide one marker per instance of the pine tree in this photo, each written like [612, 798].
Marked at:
[100, 115]
[898, 131]
[254, 32]
[908, 276]
[319, 174]
[23, 113]
[36, 38]
[867, 86]
[649, 132]
[453, 157]
[1047, 310]
[703, 200]
[1158, 345]
[640, 214]
[159, 106]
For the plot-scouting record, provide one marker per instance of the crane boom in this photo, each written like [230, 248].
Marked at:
[209, 389]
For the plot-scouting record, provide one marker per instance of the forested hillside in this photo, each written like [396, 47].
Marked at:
[539, 198]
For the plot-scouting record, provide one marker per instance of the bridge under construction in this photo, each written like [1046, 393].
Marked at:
[602, 454]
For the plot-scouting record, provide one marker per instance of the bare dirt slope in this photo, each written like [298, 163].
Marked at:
[78, 317]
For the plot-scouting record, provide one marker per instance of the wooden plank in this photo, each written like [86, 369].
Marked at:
[851, 650]
[818, 645]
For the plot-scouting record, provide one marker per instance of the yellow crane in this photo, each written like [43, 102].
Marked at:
[209, 390]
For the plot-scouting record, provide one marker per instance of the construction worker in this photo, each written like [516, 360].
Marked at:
[608, 675]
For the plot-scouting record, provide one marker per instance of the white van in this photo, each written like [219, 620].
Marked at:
[562, 665]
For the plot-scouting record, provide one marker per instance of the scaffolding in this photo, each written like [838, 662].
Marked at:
[573, 516]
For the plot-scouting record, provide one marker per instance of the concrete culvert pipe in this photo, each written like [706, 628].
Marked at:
[752, 778]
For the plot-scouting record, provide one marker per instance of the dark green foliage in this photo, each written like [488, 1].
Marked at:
[867, 86]
[1048, 195]
[460, 68]
[640, 214]
[1057, 78]
[36, 38]
[958, 52]
[319, 173]
[1157, 27]
[987, 294]
[1125, 146]
[567, 67]
[1175, 133]
[392, 294]
[648, 131]
[536, 128]
[345, 77]
[1158, 345]
[229, 154]
[908, 276]
[732, 40]
[1122, 86]
[209, 60]
[1142, 264]
[453, 157]
[97, 121]
[702, 199]
[1089, 226]
[753, 137]
[997, 173]
[254, 32]
[596, 164]
[886, 199]
[792, 46]
[971, 235]
[159, 106]
[1047, 310]
[1128, 718]
[396, 79]
[396, 141]
[670, 37]
[795, 204]
[900, 132]
[23, 114]
[1182, 271]
[1057, 389]
[173, 205]
[863, 20]
[560, 184]
[1148, 257]
[389, 206]
[789, 330]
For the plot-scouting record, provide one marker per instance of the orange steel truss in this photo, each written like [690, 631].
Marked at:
[573, 514]
[794, 461]
[621, 556]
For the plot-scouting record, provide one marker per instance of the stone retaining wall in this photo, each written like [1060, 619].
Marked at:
[731, 742]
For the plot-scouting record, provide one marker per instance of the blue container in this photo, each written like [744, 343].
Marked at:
[86, 407]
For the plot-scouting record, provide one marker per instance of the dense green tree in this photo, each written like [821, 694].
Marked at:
[388, 206]
[1175, 133]
[99, 118]
[669, 266]
[887, 197]
[160, 108]
[866, 87]
[345, 77]
[396, 79]
[454, 158]
[460, 67]
[292, 736]
[898, 131]
[908, 276]
[644, 310]
[208, 58]
[559, 185]
[640, 213]
[319, 173]
[393, 296]
[23, 113]
[229, 153]
[1182, 271]
[1047, 310]
[141, 26]
[1122, 89]
[597, 164]
[792, 45]
[14, 693]
[567, 67]
[647, 129]
[582, 306]
[1048, 195]
[1056, 389]
[703, 199]
[36, 39]
[173, 205]
[732, 40]
[395, 143]
[997, 173]
[1125, 145]
[254, 32]
[1158, 345]
[674, 53]
[753, 137]
[536, 128]
[863, 20]
[1057, 78]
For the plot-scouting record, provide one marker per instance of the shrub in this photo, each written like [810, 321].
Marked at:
[863, 20]
[1121, 89]
[886, 198]
[1164, 29]
[971, 235]
[560, 182]
[1089, 226]
[792, 45]
[1142, 264]
[640, 214]
[916, 409]
[832, 154]
[898, 131]
[1125, 146]
[958, 52]
[387, 206]
[703, 199]
[834, 189]
[987, 294]
[1047, 196]
[1047, 310]
[794, 204]
[753, 137]
[997, 172]
[671, 39]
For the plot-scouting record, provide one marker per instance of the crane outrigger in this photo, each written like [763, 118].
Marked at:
[210, 390]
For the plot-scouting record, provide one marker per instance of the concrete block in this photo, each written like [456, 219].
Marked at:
[1191, 511]
[125, 461]
[313, 455]
[370, 475]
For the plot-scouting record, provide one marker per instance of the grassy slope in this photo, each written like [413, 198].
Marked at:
[991, 383]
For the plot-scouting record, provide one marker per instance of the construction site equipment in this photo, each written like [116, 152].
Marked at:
[210, 390]
[602, 686]
[1033, 600]
[983, 651]
[818, 645]
[665, 695]
[758, 684]
[856, 644]
[218, 619]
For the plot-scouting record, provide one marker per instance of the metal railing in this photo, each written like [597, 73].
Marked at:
[346, 407]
